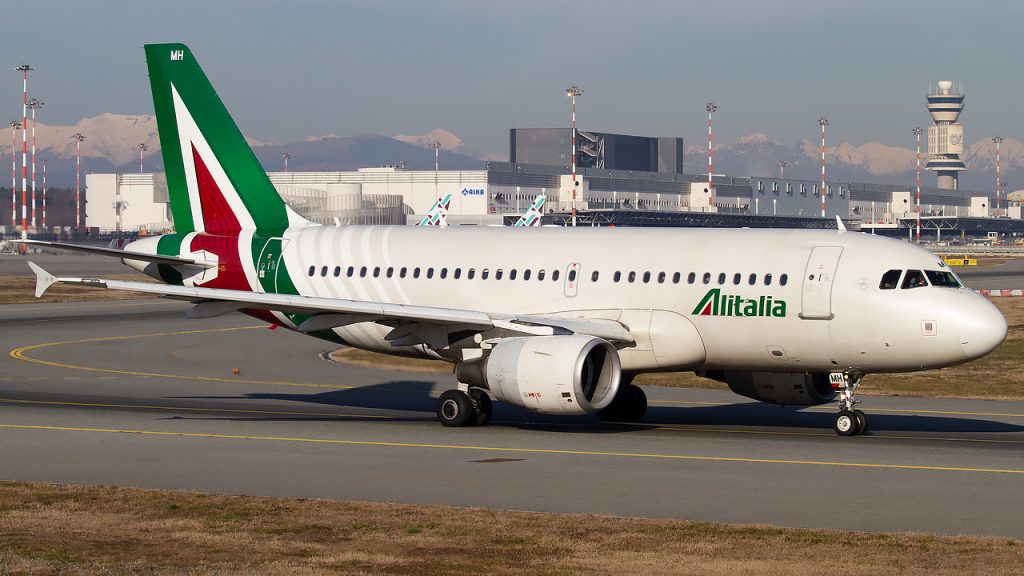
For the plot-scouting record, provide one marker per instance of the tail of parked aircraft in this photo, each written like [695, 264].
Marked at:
[438, 214]
[214, 180]
[533, 214]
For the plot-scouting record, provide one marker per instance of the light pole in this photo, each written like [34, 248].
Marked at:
[711, 108]
[286, 157]
[14, 175]
[822, 122]
[998, 140]
[34, 104]
[782, 169]
[572, 92]
[436, 145]
[24, 68]
[917, 135]
[78, 138]
[142, 151]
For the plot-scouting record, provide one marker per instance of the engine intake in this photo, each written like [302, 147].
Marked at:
[574, 374]
[784, 388]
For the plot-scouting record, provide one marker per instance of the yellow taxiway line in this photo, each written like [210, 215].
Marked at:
[519, 450]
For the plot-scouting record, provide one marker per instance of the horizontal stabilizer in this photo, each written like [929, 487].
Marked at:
[43, 278]
[124, 254]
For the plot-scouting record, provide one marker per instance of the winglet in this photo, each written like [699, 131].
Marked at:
[43, 278]
[839, 224]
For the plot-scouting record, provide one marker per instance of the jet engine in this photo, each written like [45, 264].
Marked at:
[567, 374]
[784, 388]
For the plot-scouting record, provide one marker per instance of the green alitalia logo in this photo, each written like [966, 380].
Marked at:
[715, 303]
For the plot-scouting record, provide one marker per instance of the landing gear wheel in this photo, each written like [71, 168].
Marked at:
[846, 423]
[484, 407]
[629, 405]
[862, 422]
[455, 409]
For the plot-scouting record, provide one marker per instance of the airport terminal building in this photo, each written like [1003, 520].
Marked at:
[623, 180]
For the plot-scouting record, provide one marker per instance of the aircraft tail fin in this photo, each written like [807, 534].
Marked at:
[214, 180]
[533, 214]
[438, 213]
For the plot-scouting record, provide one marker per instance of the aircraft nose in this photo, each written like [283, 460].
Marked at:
[982, 328]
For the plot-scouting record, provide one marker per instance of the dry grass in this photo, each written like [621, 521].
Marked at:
[21, 290]
[995, 376]
[48, 529]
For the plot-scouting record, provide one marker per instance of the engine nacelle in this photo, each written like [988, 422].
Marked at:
[574, 374]
[784, 388]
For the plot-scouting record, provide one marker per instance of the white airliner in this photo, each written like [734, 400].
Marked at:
[555, 320]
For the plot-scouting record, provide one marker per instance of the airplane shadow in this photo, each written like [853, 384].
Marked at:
[770, 416]
[418, 396]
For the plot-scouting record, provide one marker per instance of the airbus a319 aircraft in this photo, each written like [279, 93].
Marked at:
[555, 320]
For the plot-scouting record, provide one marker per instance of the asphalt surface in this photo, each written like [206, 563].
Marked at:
[130, 393]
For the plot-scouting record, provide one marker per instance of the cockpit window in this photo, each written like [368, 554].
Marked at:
[913, 279]
[890, 280]
[943, 279]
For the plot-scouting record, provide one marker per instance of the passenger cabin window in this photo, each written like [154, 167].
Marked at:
[498, 274]
[661, 277]
[416, 272]
[471, 274]
[943, 279]
[767, 279]
[430, 272]
[323, 271]
[707, 278]
[737, 277]
[540, 274]
[376, 271]
[457, 274]
[484, 274]
[351, 270]
[362, 272]
[337, 271]
[752, 279]
[554, 275]
[617, 276]
[594, 276]
[721, 278]
[526, 274]
[676, 277]
[444, 273]
[913, 279]
[632, 277]
[512, 274]
[783, 279]
[691, 278]
[391, 271]
[312, 270]
[401, 273]
[572, 275]
[647, 277]
[890, 280]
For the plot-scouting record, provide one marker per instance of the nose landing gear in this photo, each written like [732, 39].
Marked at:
[849, 421]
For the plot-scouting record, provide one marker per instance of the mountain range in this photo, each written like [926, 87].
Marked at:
[112, 145]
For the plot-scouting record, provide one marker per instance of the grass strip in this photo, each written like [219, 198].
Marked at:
[57, 529]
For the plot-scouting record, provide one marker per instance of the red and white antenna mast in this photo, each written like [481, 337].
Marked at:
[44, 193]
[24, 68]
[822, 122]
[572, 92]
[78, 138]
[917, 134]
[34, 105]
[14, 175]
[711, 108]
[998, 140]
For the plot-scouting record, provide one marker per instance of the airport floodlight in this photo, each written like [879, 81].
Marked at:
[142, 151]
[572, 92]
[286, 157]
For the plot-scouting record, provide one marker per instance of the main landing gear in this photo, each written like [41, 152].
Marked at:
[629, 405]
[849, 422]
[470, 407]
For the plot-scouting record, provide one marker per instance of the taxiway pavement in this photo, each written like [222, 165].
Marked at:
[130, 393]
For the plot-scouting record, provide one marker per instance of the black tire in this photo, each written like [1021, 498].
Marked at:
[484, 406]
[862, 422]
[637, 406]
[629, 405]
[455, 409]
[846, 423]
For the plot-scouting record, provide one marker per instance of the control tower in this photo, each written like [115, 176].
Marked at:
[946, 137]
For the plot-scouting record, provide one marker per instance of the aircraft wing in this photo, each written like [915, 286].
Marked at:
[411, 324]
[123, 254]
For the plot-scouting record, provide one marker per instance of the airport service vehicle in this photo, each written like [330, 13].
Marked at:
[554, 320]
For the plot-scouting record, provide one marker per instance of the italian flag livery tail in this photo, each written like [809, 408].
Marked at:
[216, 184]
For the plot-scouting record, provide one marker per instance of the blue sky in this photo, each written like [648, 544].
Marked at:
[289, 70]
